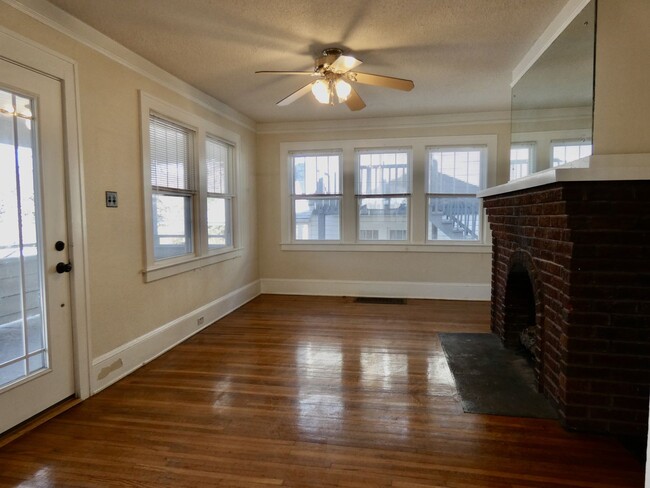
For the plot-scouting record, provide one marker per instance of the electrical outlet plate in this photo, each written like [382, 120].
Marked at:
[111, 199]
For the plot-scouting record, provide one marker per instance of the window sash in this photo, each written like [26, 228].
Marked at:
[179, 238]
[520, 167]
[218, 163]
[456, 172]
[384, 214]
[453, 212]
[173, 188]
[453, 217]
[383, 183]
[316, 198]
[171, 154]
[583, 147]
[320, 214]
[320, 166]
[219, 226]
[385, 171]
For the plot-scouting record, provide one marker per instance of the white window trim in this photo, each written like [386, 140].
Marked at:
[417, 216]
[202, 256]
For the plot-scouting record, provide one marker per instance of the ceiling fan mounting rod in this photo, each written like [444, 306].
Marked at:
[328, 56]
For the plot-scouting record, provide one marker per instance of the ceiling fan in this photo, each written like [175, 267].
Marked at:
[334, 73]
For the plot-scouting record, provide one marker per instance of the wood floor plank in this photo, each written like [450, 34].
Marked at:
[309, 392]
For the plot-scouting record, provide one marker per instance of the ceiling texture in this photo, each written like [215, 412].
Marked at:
[459, 53]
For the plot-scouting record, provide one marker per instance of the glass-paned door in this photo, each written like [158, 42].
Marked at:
[23, 344]
[36, 351]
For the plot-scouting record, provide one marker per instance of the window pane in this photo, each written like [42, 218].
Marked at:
[37, 362]
[217, 157]
[172, 226]
[22, 324]
[369, 234]
[383, 173]
[565, 153]
[388, 217]
[170, 152]
[317, 219]
[316, 174]
[454, 170]
[219, 218]
[453, 218]
[521, 156]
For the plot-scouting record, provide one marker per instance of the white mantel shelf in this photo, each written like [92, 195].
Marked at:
[610, 167]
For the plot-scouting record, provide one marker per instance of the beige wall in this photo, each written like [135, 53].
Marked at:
[122, 306]
[622, 98]
[402, 266]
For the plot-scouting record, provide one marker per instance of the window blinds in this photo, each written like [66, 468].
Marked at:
[217, 157]
[170, 148]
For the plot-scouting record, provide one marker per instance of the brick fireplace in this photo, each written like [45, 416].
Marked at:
[571, 266]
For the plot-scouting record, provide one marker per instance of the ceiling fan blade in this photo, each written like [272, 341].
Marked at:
[379, 80]
[296, 95]
[354, 101]
[310, 73]
[343, 64]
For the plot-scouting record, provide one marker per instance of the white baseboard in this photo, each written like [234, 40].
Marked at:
[116, 364]
[397, 289]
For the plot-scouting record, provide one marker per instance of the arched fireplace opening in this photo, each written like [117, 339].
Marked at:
[521, 330]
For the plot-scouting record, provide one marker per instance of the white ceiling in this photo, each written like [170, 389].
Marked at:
[459, 53]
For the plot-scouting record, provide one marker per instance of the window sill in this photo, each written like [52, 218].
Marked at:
[162, 270]
[457, 247]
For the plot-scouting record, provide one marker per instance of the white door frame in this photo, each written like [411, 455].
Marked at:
[25, 52]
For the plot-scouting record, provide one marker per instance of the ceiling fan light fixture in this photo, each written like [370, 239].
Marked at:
[343, 89]
[335, 75]
[321, 91]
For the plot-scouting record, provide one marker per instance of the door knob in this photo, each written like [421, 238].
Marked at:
[63, 268]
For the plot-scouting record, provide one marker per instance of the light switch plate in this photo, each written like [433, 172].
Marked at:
[111, 199]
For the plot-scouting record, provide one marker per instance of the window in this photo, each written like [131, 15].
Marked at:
[218, 162]
[383, 193]
[453, 179]
[316, 196]
[173, 188]
[522, 157]
[189, 167]
[566, 151]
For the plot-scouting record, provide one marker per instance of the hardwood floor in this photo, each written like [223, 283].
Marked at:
[309, 392]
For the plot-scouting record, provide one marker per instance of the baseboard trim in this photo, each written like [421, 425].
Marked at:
[121, 361]
[397, 289]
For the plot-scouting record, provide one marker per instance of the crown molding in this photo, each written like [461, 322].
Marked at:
[411, 122]
[61, 21]
[554, 29]
[552, 114]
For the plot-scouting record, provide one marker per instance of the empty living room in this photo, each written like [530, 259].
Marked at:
[324, 243]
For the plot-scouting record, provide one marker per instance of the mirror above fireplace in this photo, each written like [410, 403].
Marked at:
[552, 102]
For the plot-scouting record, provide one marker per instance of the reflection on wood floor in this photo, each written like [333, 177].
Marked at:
[309, 392]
